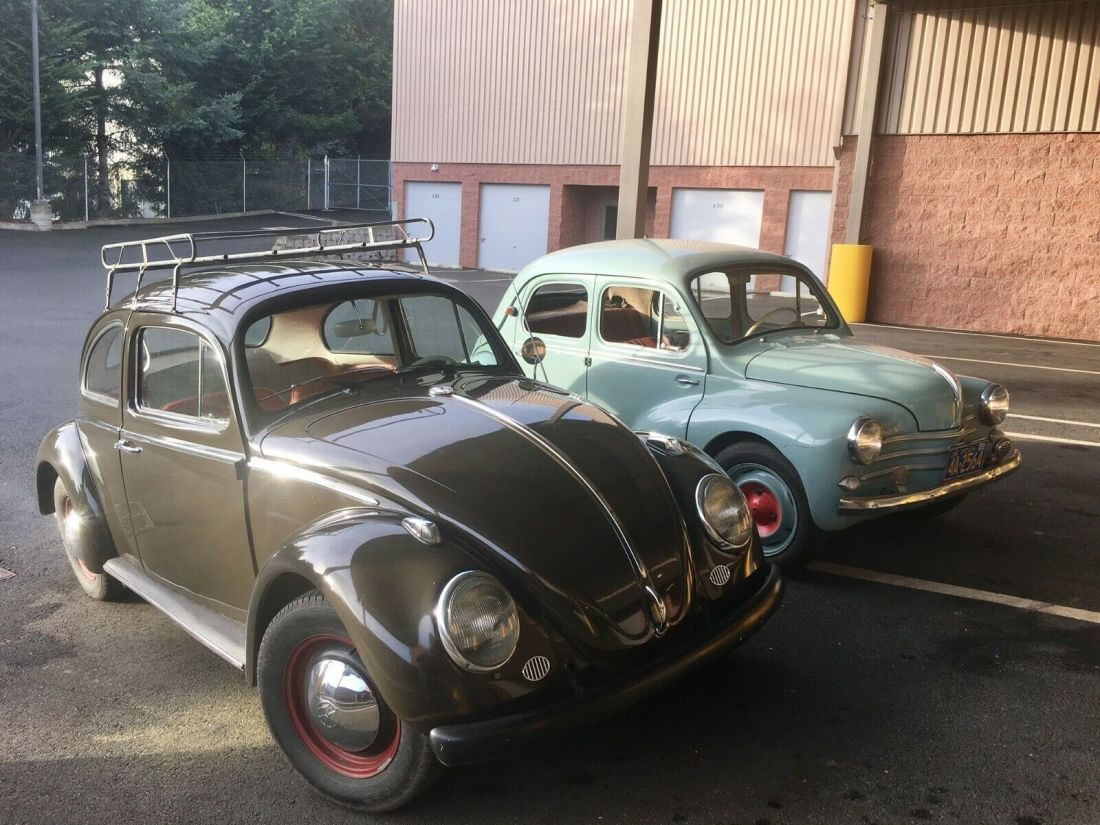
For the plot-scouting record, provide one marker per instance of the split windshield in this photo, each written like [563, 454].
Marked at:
[739, 303]
[305, 352]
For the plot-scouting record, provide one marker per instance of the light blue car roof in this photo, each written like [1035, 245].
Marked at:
[661, 258]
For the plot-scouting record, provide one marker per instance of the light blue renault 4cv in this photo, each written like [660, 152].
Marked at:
[743, 354]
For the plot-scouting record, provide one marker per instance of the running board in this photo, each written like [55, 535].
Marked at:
[219, 633]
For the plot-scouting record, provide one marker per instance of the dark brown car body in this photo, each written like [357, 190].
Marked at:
[582, 520]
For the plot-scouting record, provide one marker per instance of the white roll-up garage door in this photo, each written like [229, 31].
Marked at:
[808, 231]
[442, 204]
[726, 215]
[514, 225]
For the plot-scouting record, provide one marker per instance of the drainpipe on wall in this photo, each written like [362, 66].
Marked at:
[638, 94]
[850, 268]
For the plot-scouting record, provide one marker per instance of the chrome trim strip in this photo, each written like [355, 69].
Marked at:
[937, 435]
[908, 467]
[956, 389]
[887, 504]
[203, 450]
[640, 570]
[284, 469]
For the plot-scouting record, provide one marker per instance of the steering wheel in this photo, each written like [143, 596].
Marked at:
[755, 327]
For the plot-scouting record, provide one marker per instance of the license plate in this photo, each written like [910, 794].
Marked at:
[965, 459]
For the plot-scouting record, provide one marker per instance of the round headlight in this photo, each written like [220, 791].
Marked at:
[478, 622]
[724, 512]
[993, 407]
[865, 440]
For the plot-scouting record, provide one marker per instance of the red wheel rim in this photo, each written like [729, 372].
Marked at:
[766, 509]
[354, 765]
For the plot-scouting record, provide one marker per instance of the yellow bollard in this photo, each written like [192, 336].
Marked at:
[849, 277]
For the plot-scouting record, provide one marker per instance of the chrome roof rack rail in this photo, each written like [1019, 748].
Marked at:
[193, 248]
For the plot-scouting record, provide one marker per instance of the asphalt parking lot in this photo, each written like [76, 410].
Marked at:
[940, 670]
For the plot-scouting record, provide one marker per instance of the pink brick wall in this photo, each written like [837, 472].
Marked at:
[992, 233]
[577, 191]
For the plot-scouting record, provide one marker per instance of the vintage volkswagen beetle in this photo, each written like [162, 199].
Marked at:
[337, 478]
[744, 354]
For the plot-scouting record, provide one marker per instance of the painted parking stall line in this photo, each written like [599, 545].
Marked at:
[1066, 612]
[1077, 442]
[979, 334]
[1009, 364]
[1064, 421]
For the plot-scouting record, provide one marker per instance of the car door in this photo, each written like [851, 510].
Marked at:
[99, 424]
[556, 308]
[648, 362]
[182, 463]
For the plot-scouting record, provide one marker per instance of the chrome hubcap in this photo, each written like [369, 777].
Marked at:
[342, 705]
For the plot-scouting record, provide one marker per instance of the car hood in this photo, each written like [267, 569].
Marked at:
[930, 392]
[530, 473]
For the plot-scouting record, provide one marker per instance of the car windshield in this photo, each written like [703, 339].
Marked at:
[307, 351]
[740, 303]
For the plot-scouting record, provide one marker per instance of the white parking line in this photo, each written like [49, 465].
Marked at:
[1075, 441]
[1054, 420]
[1008, 364]
[1077, 613]
[982, 335]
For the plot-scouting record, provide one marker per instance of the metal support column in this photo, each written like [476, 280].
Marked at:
[327, 199]
[641, 81]
[867, 106]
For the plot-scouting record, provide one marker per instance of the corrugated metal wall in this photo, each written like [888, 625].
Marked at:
[992, 67]
[740, 82]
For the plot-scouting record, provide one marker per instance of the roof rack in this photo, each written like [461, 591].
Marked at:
[192, 248]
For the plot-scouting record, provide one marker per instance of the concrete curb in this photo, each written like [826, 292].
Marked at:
[27, 226]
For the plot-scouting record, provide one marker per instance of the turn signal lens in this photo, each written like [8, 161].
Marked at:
[724, 512]
[865, 440]
[478, 622]
[993, 406]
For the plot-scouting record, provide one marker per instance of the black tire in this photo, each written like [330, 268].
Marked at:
[781, 511]
[940, 507]
[100, 586]
[390, 772]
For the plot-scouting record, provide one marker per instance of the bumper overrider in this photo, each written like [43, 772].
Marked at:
[467, 742]
[905, 501]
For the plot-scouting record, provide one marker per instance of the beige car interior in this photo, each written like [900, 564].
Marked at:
[294, 363]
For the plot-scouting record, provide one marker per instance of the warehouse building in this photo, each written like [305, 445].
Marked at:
[980, 184]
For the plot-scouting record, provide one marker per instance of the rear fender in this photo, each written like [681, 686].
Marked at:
[384, 585]
[62, 455]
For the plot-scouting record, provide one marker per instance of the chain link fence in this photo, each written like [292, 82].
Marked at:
[185, 188]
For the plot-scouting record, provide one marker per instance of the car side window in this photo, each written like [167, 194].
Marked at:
[642, 318]
[558, 309]
[181, 374]
[103, 369]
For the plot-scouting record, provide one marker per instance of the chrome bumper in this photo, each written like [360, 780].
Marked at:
[889, 504]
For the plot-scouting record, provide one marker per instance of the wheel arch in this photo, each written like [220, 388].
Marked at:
[723, 440]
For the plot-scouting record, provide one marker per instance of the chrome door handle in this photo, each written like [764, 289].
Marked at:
[685, 381]
[127, 446]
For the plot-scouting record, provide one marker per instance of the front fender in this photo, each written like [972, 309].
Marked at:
[62, 455]
[808, 426]
[384, 585]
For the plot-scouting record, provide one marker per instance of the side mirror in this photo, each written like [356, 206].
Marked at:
[534, 350]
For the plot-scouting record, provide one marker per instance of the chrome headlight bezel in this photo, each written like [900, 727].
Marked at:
[443, 620]
[868, 452]
[745, 526]
[993, 411]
